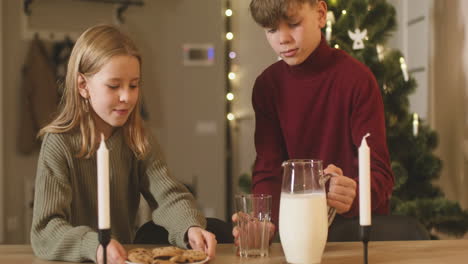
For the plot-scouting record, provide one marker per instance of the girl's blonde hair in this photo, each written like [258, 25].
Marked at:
[92, 50]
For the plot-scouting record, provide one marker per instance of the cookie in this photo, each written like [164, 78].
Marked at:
[140, 255]
[179, 259]
[166, 252]
[160, 261]
[193, 255]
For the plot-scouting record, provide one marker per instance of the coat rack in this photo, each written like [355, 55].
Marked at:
[123, 6]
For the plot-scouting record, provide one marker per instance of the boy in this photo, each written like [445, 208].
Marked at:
[317, 102]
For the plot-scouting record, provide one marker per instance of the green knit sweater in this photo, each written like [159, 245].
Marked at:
[65, 204]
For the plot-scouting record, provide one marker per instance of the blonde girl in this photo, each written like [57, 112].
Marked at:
[102, 96]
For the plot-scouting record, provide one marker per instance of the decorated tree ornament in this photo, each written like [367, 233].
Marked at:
[357, 36]
[385, 88]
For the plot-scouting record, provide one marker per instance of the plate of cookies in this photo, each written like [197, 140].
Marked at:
[166, 255]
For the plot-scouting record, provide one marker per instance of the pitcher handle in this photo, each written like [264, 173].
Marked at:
[323, 180]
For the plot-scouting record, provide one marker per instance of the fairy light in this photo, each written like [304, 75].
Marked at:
[230, 70]
[232, 55]
[231, 116]
[344, 12]
[337, 46]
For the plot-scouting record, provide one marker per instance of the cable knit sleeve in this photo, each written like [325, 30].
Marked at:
[176, 209]
[52, 235]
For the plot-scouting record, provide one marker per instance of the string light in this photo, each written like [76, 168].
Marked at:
[232, 55]
[231, 116]
[344, 12]
[337, 46]
[232, 76]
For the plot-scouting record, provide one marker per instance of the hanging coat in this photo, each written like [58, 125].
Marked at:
[39, 97]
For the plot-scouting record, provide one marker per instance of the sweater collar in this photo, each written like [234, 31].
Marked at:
[317, 60]
[115, 139]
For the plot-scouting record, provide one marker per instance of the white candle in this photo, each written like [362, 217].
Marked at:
[415, 124]
[328, 31]
[364, 183]
[404, 69]
[330, 22]
[103, 185]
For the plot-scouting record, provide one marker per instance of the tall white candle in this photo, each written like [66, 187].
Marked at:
[364, 183]
[404, 69]
[415, 124]
[103, 185]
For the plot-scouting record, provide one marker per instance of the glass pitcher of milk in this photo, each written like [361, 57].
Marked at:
[303, 220]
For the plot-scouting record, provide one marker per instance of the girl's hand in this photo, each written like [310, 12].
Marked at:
[200, 239]
[116, 254]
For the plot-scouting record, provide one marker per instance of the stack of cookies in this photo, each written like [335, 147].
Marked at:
[165, 255]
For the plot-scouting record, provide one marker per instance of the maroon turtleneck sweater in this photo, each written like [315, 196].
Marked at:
[320, 109]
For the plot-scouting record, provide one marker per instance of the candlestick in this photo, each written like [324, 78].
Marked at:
[103, 197]
[364, 183]
[415, 124]
[365, 217]
[103, 185]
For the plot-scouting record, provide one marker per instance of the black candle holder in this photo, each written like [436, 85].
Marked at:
[104, 239]
[365, 237]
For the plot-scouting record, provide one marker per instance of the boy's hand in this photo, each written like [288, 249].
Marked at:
[116, 254]
[342, 190]
[235, 231]
[200, 239]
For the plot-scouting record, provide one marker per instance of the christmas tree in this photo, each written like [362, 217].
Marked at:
[361, 28]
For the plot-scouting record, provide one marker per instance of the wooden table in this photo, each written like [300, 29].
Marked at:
[390, 252]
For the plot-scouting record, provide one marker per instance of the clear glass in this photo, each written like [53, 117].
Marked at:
[303, 220]
[254, 217]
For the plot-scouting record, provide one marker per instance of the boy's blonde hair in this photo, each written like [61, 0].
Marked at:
[92, 50]
[268, 13]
